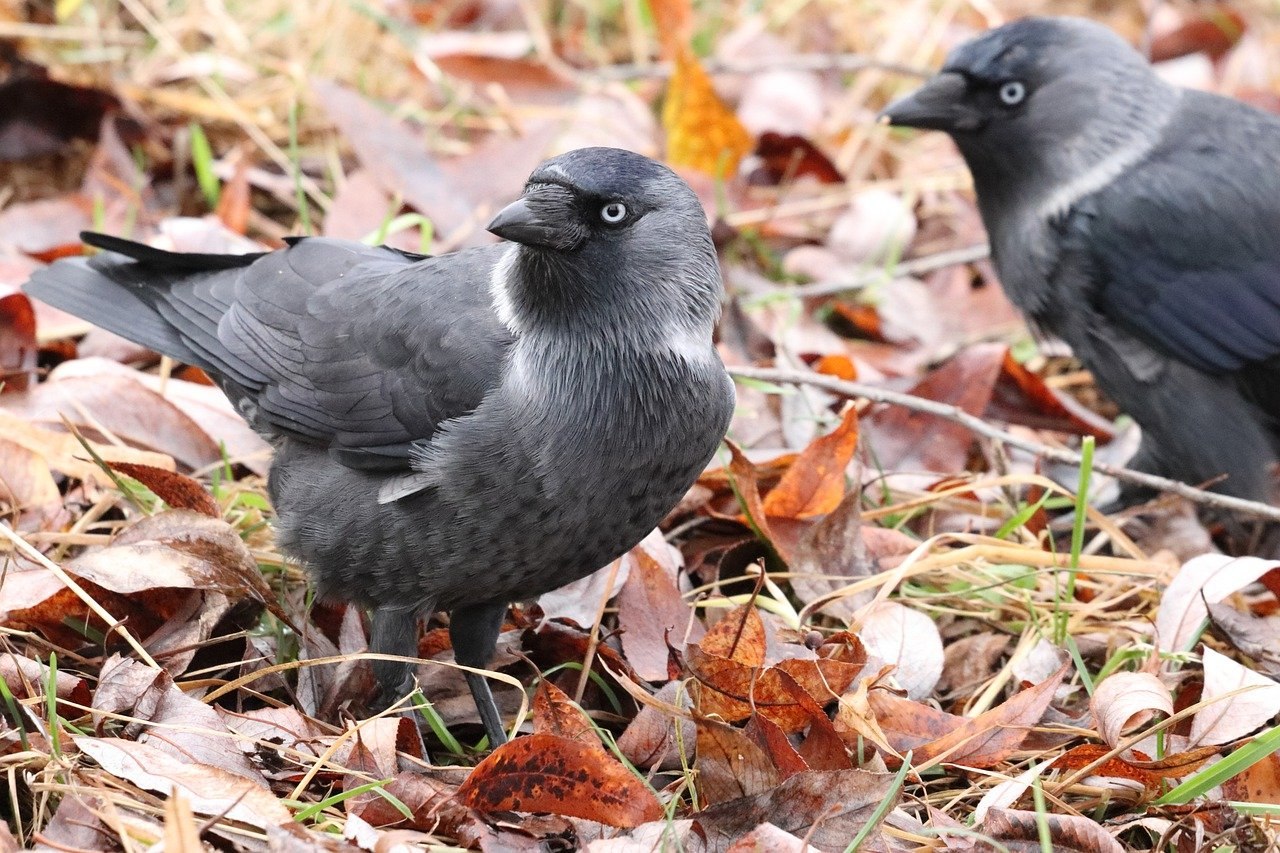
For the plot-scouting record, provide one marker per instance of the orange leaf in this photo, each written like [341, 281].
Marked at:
[554, 713]
[702, 132]
[177, 490]
[547, 773]
[814, 485]
[673, 19]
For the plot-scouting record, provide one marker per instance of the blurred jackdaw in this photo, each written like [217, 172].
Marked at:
[1135, 220]
[455, 432]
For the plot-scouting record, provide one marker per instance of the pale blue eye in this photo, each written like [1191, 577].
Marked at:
[613, 212]
[1012, 93]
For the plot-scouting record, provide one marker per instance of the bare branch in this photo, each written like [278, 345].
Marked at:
[980, 427]
[800, 62]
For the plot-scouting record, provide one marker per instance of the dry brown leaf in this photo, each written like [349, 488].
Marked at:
[981, 741]
[729, 764]
[651, 610]
[1019, 831]
[1203, 580]
[650, 740]
[1257, 637]
[177, 490]
[1124, 701]
[554, 713]
[210, 790]
[546, 773]
[1230, 717]
[827, 807]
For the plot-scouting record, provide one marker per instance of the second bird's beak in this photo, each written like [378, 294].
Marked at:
[542, 217]
[939, 104]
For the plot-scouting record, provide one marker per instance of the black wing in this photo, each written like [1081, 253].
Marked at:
[1188, 244]
[360, 349]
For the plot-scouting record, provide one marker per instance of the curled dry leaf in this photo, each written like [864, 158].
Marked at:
[1020, 830]
[910, 641]
[1240, 700]
[1126, 700]
[1203, 580]
[546, 773]
[177, 490]
[178, 549]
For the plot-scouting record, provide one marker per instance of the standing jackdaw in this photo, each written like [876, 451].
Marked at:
[461, 431]
[1137, 221]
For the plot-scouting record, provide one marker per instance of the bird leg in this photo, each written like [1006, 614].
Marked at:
[474, 632]
[394, 632]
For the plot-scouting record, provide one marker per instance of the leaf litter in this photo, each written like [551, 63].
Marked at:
[865, 623]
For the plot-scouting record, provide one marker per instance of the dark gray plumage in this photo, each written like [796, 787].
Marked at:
[456, 432]
[1137, 221]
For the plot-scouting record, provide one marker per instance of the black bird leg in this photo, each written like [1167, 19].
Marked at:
[394, 632]
[474, 632]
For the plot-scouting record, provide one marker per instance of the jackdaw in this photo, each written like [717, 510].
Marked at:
[1137, 221]
[455, 432]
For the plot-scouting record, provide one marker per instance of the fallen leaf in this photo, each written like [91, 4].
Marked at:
[554, 713]
[981, 741]
[702, 132]
[1230, 717]
[546, 773]
[814, 484]
[907, 639]
[826, 807]
[1020, 831]
[177, 490]
[1203, 580]
[1124, 701]
[651, 609]
[729, 764]
[210, 790]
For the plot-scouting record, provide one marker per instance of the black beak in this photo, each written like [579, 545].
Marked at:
[940, 104]
[544, 216]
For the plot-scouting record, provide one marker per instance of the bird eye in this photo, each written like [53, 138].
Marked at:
[1012, 92]
[613, 212]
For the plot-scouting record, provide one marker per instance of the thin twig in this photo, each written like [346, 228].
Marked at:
[980, 427]
[875, 275]
[799, 62]
[61, 32]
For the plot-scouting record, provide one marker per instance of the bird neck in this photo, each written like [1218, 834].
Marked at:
[574, 306]
[1032, 178]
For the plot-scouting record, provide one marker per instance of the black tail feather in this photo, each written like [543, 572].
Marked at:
[161, 260]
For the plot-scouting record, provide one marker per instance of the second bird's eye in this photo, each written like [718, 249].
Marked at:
[1012, 92]
[613, 212]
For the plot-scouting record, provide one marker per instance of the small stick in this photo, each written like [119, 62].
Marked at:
[980, 427]
[798, 62]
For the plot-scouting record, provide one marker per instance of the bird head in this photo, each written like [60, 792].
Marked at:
[606, 236]
[1040, 101]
